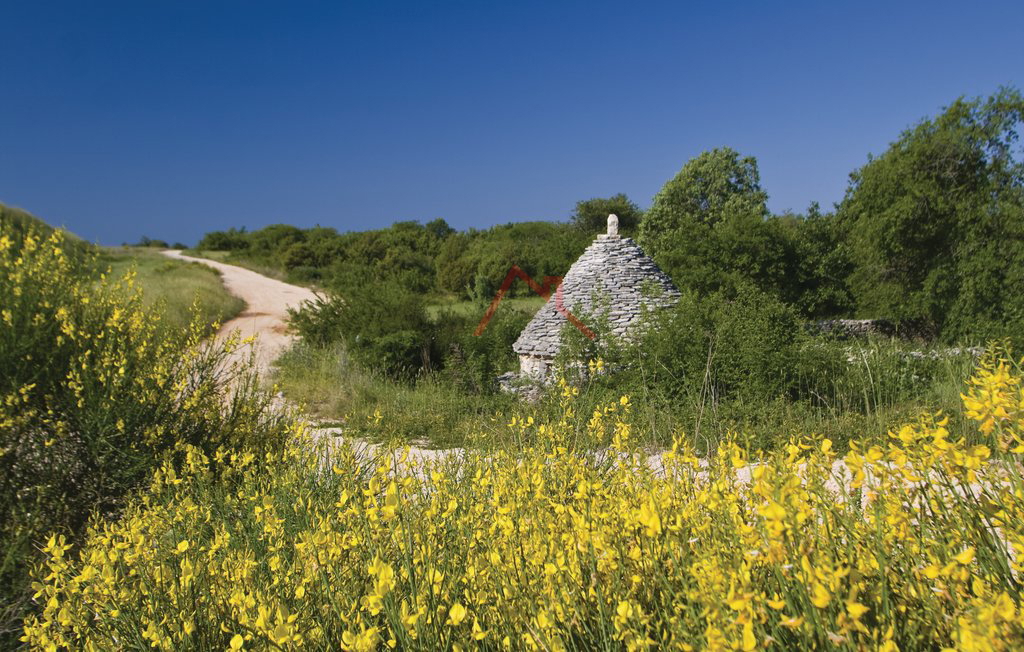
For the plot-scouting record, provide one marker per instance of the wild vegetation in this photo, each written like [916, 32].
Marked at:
[549, 545]
[815, 492]
[94, 395]
[181, 291]
[928, 235]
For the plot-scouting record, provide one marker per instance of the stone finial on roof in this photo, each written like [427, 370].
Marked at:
[613, 224]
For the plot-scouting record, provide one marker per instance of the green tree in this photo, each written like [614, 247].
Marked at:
[439, 228]
[708, 227]
[474, 264]
[739, 343]
[146, 241]
[717, 186]
[271, 241]
[455, 269]
[231, 240]
[817, 285]
[936, 223]
[591, 215]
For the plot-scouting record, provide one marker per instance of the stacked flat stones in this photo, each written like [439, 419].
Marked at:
[615, 271]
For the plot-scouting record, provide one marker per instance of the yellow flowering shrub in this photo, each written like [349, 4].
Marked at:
[995, 401]
[93, 395]
[914, 545]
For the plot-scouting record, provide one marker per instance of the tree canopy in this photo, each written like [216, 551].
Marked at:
[932, 230]
[591, 215]
[707, 226]
[936, 223]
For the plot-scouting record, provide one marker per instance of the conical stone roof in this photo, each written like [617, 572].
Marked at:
[615, 271]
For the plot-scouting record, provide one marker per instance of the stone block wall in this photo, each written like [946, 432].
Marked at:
[535, 366]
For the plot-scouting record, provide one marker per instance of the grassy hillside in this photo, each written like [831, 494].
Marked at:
[173, 285]
[96, 391]
[15, 224]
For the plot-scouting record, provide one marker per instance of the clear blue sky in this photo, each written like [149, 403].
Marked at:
[170, 119]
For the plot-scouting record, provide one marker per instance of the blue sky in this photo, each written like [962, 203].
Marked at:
[170, 119]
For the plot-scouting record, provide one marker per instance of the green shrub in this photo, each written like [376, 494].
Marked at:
[739, 345]
[387, 328]
[230, 240]
[383, 325]
[471, 362]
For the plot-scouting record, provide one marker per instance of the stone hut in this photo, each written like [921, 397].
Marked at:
[613, 272]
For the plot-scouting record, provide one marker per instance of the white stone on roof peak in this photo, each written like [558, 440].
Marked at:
[613, 224]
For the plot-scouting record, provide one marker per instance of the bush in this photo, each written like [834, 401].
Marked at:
[146, 241]
[472, 362]
[591, 215]
[707, 366]
[230, 240]
[94, 395]
[386, 328]
[722, 347]
[383, 325]
[473, 265]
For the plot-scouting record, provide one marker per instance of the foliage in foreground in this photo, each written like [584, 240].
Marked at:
[94, 394]
[434, 410]
[390, 331]
[740, 361]
[737, 360]
[914, 545]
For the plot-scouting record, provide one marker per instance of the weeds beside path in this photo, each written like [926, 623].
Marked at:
[266, 317]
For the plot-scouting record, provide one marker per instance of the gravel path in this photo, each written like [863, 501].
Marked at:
[266, 313]
[266, 316]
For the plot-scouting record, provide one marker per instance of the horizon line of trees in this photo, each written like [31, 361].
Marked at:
[930, 231]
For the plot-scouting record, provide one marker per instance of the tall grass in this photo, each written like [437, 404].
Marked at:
[331, 387]
[855, 390]
[872, 385]
[173, 286]
[266, 268]
[476, 309]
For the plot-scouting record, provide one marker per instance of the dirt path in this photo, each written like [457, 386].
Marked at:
[266, 316]
[266, 313]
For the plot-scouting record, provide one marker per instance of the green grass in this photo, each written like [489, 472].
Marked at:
[219, 256]
[862, 400]
[330, 387]
[232, 258]
[173, 286]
